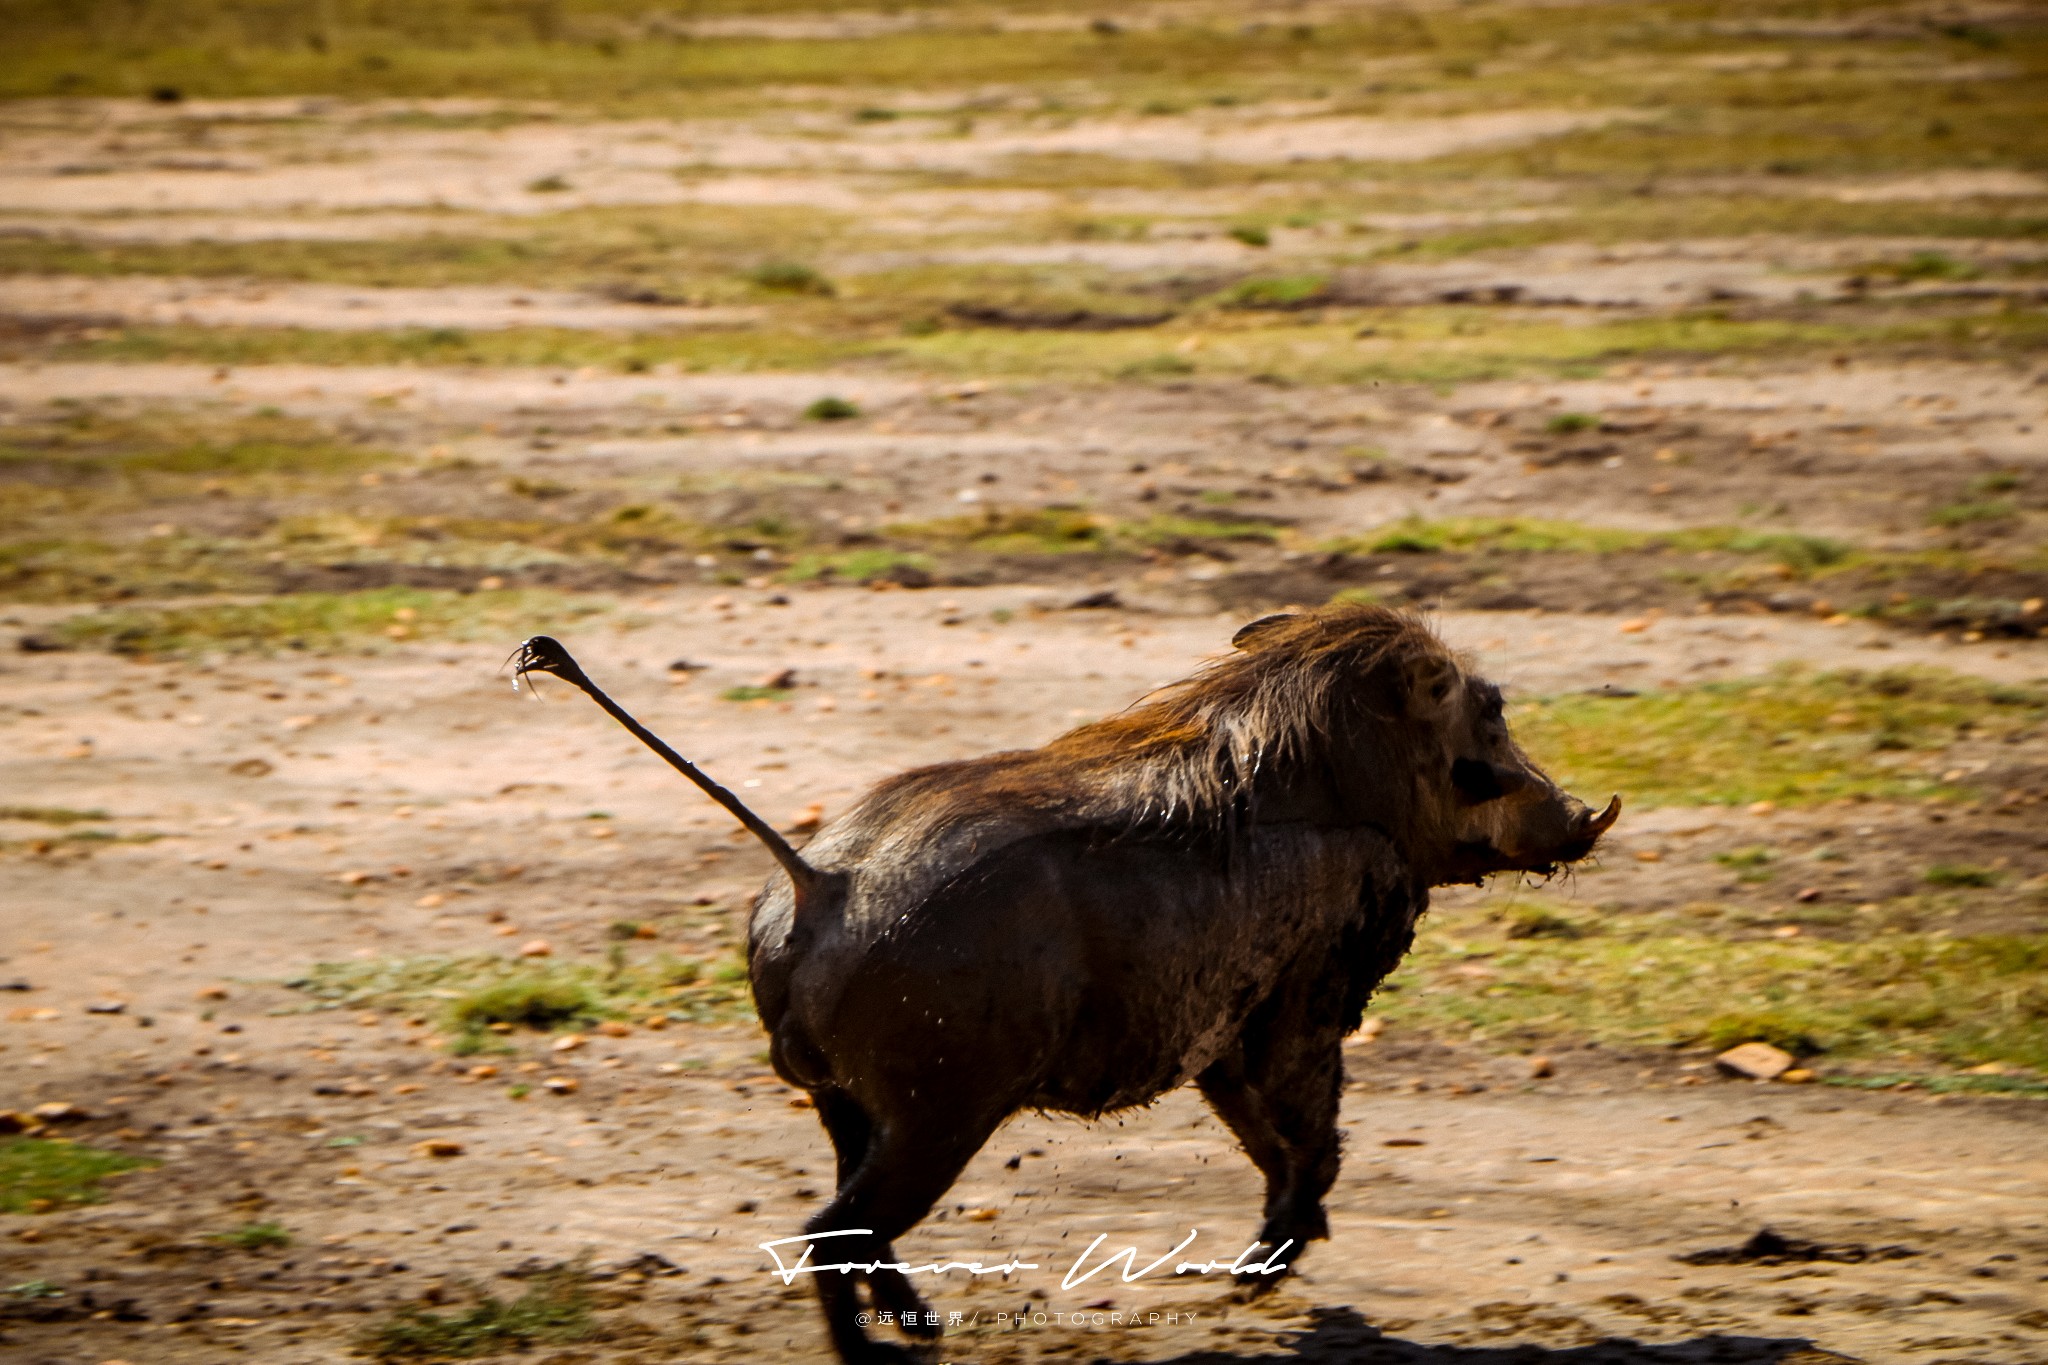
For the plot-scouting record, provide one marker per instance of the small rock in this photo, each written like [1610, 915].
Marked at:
[613, 1028]
[686, 666]
[1649, 855]
[779, 679]
[210, 993]
[568, 1042]
[807, 820]
[560, 1085]
[538, 947]
[1539, 1067]
[1633, 627]
[438, 1147]
[59, 1111]
[1798, 1075]
[432, 900]
[1809, 895]
[981, 1215]
[483, 1072]
[1106, 600]
[1758, 1061]
[13, 1121]
[1763, 807]
[107, 1007]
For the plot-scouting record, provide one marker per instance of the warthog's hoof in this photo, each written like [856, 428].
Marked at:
[1251, 1287]
[892, 1291]
[889, 1353]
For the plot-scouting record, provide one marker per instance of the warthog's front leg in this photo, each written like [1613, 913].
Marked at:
[1279, 1092]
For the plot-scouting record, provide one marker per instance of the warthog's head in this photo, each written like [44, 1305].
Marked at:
[1416, 743]
[1503, 812]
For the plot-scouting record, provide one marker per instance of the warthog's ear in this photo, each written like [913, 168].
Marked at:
[1246, 634]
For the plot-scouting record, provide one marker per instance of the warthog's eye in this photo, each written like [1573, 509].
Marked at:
[1477, 781]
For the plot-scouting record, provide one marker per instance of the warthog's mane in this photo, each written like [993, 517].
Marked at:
[1181, 761]
[1188, 754]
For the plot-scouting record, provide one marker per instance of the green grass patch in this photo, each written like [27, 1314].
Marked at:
[2027, 1086]
[1661, 981]
[1281, 292]
[858, 566]
[752, 693]
[831, 409]
[1960, 875]
[255, 1237]
[539, 1000]
[52, 815]
[321, 622]
[1792, 737]
[84, 443]
[1432, 344]
[1039, 530]
[467, 995]
[41, 1174]
[554, 1308]
[1528, 535]
[789, 277]
[1968, 513]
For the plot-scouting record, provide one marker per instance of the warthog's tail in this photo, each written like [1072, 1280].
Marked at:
[545, 654]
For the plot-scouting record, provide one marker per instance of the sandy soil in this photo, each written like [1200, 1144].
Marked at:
[1561, 1202]
[188, 162]
[210, 303]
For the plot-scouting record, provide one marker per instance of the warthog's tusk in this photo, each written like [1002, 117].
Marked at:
[1604, 821]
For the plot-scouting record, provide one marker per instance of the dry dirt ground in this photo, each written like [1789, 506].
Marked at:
[1479, 1207]
[396, 799]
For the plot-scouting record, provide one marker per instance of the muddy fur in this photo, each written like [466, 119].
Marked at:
[1206, 887]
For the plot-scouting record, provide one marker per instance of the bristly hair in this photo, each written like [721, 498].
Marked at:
[1180, 763]
[1189, 754]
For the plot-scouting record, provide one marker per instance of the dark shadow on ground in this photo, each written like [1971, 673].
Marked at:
[1340, 1336]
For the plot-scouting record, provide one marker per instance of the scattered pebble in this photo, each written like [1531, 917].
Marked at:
[1757, 1061]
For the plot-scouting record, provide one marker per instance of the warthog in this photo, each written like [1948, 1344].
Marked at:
[1205, 887]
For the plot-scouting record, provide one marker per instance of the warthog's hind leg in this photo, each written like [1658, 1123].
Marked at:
[890, 1175]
